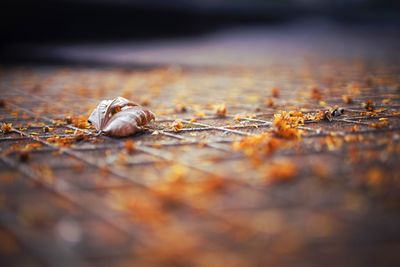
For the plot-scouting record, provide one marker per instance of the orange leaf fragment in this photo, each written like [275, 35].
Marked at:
[130, 146]
[177, 125]
[269, 102]
[80, 122]
[221, 110]
[258, 145]
[6, 127]
[275, 92]
[286, 123]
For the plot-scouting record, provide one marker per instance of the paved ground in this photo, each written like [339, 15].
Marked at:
[223, 176]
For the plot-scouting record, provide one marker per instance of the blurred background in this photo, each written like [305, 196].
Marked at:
[41, 30]
[67, 20]
[188, 191]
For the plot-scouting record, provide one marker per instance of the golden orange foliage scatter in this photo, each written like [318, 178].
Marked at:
[6, 127]
[286, 123]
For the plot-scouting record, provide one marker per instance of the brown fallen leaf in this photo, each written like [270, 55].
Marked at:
[120, 117]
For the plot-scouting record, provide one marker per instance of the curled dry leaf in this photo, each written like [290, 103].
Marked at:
[120, 117]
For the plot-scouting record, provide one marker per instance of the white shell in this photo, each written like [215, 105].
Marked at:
[128, 121]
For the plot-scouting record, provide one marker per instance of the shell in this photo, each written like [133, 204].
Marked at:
[120, 117]
[128, 121]
[98, 113]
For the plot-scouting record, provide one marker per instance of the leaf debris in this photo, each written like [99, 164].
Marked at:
[6, 127]
[286, 123]
[177, 125]
[221, 110]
